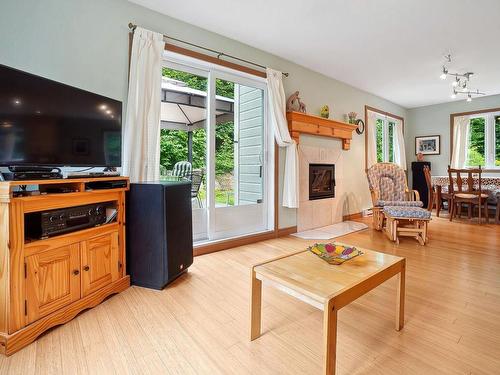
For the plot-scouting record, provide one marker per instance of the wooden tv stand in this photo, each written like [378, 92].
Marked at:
[47, 282]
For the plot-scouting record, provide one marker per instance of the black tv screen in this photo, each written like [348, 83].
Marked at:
[47, 123]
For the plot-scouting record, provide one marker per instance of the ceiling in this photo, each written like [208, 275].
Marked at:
[391, 48]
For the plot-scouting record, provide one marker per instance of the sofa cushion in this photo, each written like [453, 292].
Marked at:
[381, 203]
[407, 212]
[470, 195]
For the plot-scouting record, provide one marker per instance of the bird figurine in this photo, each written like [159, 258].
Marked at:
[324, 111]
[294, 103]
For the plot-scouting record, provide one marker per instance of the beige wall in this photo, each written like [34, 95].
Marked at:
[84, 43]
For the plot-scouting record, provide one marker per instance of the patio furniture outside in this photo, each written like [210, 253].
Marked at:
[225, 183]
[196, 181]
[182, 169]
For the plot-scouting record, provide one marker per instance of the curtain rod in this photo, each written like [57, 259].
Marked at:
[218, 53]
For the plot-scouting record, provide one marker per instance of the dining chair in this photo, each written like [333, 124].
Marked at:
[497, 209]
[442, 194]
[470, 196]
[494, 204]
[432, 196]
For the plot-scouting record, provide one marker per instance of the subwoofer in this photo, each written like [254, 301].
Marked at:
[159, 232]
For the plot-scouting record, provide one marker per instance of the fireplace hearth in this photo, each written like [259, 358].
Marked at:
[321, 181]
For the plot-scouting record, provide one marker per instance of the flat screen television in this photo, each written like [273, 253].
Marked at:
[47, 123]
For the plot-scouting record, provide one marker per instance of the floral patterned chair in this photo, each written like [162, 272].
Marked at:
[395, 203]
[387, 182]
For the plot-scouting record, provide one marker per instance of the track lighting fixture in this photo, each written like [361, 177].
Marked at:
[444, 74]
[461, 83]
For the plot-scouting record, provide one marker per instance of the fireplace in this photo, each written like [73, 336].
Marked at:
[321, 181]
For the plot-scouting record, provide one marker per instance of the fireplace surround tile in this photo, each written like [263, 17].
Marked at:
[321, 212]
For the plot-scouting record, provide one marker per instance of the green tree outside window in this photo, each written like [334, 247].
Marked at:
[476, 152]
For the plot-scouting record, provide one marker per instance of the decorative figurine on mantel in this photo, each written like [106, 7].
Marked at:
[295, 104]
[352, 117]
[324, 111]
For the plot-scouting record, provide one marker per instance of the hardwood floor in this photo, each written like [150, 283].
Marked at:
[199, 324]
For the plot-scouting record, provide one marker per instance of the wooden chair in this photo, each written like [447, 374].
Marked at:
[432, 196]
[497, 211]
[442, 196]
[388, 187]
[470, 196]
[494, 205]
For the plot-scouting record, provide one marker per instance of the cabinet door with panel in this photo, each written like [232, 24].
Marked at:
[99, 262]
[52, 280]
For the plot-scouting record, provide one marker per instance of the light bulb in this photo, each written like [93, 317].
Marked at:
[469, 99]
[453, 96]
[443, 76]
[455, 83]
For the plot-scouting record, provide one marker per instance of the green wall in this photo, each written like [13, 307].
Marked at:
[84, 43]
[435, 120]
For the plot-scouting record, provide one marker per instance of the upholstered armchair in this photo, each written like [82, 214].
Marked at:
[388, 187]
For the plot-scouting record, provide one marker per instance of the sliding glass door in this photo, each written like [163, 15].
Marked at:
[183, 142]
[214, 132]
[240, 201]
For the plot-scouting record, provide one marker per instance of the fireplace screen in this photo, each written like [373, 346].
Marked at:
[321, 181]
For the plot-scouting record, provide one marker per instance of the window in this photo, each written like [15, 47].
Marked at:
[385, 139]
[483, 141]
[497, 141]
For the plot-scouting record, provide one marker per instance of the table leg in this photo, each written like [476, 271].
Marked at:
[497, 212]
[400, 305]
[395, 231]
[255, 306]
[438, 200]
[330, 337]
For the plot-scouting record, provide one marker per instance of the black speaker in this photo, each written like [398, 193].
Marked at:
[159, 232]
[418, 180]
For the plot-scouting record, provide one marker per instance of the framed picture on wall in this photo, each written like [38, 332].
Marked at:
[428, 145]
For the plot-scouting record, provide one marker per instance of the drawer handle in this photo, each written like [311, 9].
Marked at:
[76, 272]
[86, 268]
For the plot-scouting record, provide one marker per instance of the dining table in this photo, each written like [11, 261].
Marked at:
[489, 185]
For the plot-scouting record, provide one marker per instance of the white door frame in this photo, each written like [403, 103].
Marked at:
[213, 72]
[238, 220]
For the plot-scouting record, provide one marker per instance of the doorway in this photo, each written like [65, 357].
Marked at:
[214, 132]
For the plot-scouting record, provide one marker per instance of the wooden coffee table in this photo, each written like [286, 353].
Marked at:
[326, 287]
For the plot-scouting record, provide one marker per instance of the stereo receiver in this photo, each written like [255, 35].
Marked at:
[45, 224]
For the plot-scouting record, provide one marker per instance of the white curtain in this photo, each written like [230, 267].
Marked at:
[399, 145]
[460, 141]
[371, 132]
[141, 149]
[277, 110]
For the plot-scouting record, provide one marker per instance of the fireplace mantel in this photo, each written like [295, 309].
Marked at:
[299, 122]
